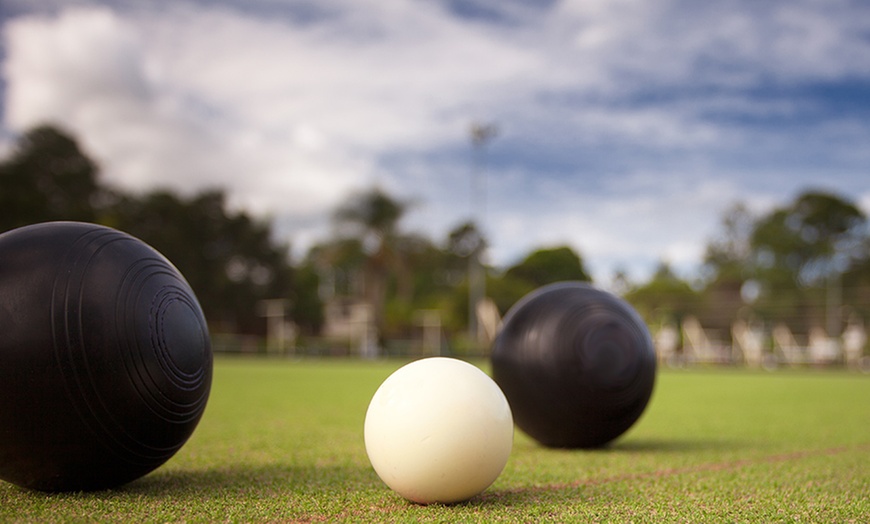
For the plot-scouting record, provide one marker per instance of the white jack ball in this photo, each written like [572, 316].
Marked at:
[438, 430]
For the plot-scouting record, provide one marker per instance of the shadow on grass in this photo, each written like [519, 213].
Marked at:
[671, 446]
[650, 445]
[245, 480]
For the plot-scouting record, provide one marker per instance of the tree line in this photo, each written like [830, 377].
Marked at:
[233, 261]
[806, 263]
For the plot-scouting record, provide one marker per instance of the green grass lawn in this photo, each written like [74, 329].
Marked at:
[282, 441]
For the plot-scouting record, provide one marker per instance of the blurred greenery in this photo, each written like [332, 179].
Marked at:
[231, 259]
[804, 264]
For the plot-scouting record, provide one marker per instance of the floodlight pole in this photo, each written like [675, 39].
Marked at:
[481, 136]
[833, 304]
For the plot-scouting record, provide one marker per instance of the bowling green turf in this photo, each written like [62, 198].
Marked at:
[281, 441]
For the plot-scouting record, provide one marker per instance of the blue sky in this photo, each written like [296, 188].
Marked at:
[626, 128]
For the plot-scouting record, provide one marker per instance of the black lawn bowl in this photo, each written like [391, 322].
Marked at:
[576, 363]
[105, 358]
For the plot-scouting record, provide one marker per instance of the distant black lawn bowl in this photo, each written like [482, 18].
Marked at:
[105, 358]
[577, 365]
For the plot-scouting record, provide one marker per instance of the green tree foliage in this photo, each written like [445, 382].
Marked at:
[855, 282]
[546, 266]
[465, 240]
[48, 178]
[371, 213]
[665, 297]
[792, 254]
[339, 263]
[423, 276]
[727, 266]
[796, 250]
[306, 306]
[463, 244]
[373, 218]
[727, 257]
[229, 258]
[414, 284]
[541, 267]
[799, 242]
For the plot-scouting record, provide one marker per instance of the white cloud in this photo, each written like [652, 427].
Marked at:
[373, 79]
[85, 70]
[637, 220]
[85, 58]
[290, 116]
